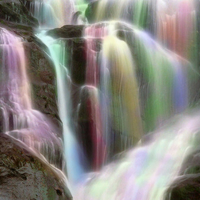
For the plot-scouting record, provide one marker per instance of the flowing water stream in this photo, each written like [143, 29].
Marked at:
[117, 117]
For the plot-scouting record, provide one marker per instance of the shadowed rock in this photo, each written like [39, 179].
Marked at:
[15, 11]
[43, 82]
[67, 31]
[24, 176]
[187, 186]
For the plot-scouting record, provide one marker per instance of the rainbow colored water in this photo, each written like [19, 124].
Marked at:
[148, 170]
[52, 13]
[20, 119]
[141, 65]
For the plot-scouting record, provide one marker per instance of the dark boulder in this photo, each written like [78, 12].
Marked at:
[15, 11]
[91, 11]
[77, 60]
[43, 83]
[67, 31]
[186, 187]
[24, 175]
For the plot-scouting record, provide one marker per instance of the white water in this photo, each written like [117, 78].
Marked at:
[146, 172]
[52, 13]
[71, 149]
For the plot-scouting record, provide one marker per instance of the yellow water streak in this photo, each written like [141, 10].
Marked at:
[123, 85]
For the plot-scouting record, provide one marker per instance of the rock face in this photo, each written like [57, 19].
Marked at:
[77, 60]
[15, 11]
[67, 31]
[25, 176]
[90, 11]
[39, 66]
[187, 186]
[43, 82]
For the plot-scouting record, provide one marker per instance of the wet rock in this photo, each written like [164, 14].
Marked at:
[72, 36]
[43, 82]
[77, 60]
[91, 11]
[15, 11]
[24, 31]
[186, 187]
[78, 18]
[191, 164]
[67, 31]
[23, 175]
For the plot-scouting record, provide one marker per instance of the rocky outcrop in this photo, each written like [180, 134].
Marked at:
[67, 31]
[15, 11]
[77, 60]
[43, 83]
[23, 175]
[39, 66]
[187, 185]
[91, 11]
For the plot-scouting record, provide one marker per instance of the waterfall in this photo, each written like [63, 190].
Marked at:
[110, 110]
[146, 171]
[161, 75]
[166, 74]
[72, 151]
[124, 105]
[52, 13]
[132, 104]
[20, 119]
[140, 13]
[176, 25]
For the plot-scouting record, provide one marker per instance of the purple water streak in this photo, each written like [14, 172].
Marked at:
[20, 119]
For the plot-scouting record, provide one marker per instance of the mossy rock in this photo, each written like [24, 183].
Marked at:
[15, 11]
[186, 187]
[24, 175]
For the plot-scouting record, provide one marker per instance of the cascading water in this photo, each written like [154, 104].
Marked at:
[140, 174]
[140, 13]
[52, 13]
[167, 75]
[72, 151]
[162, 78]
[146, 171]
[176, 27]
[20, 120]
[124, 100]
